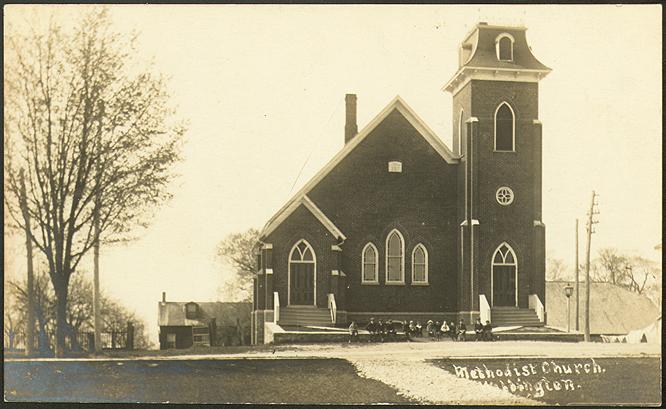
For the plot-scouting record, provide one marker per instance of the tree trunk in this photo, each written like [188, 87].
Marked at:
[30, 324]
[61, 319]
[43, 340]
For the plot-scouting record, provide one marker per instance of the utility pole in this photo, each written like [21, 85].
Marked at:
[30, 325]
[577, 292]
[590, 230]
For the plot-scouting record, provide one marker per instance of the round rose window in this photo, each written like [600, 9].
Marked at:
[504, 196]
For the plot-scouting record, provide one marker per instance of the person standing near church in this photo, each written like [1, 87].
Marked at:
[353, 332]
[372, 329]
[462, 330]
[478, 329]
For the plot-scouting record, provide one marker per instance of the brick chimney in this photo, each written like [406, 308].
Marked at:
[351, 129]
[163, 296]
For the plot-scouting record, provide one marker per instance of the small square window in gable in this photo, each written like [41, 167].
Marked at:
[395, 167]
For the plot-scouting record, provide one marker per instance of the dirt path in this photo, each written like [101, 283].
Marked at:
[425, 383]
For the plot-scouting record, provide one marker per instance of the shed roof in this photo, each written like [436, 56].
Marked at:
[172, 313]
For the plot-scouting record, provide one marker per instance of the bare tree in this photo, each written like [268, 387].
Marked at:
[94, 136]
[641, 273]
[612, 264]
[44, 306]
[557, 270]
[238, 251]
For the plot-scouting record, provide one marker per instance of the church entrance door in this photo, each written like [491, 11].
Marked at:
[302, 283]
[302, 267]
[504, 286]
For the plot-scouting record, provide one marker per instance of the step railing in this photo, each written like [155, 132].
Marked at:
[536, 305]
[484, 309]
[332, 307]
[276, 307]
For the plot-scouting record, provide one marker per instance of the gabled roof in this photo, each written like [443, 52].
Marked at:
[397, 104]
[172, 313]
[316, 212]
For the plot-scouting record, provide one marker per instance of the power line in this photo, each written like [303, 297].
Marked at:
[312, 146]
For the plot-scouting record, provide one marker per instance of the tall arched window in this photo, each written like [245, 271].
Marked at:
[420, 265]
[369, 265]
[461, 124]
[504, 277]
[505, 128]
[302, 270]
[395, 258]
[504, 47]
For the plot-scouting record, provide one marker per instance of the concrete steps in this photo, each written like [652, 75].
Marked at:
[510, 316]
[304, 316]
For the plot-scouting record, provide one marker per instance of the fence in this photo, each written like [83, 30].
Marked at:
[110, 340]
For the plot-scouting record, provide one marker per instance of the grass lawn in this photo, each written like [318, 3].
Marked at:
[298, 381]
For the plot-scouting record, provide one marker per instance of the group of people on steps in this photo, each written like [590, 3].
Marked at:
[383, 331]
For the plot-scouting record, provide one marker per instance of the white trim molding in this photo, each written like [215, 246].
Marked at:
[269, 271]
[402, 258]
[335, 247]
[313, 208]
[370, 245]
[332, 228]
[498, 39]
[460, 131]
[467, 73]
[267, 246]
[425, 255]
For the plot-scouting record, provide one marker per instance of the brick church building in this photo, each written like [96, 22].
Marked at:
[398, 225]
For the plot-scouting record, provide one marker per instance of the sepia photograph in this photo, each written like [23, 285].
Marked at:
[332, 204]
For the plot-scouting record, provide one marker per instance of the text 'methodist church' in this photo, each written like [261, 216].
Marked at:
[398, 225]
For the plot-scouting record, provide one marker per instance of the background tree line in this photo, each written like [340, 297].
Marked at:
[634, 273]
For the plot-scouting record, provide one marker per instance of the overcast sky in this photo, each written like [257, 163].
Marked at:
[263, 90]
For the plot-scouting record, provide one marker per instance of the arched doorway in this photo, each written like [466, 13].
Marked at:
[504, 277]
[302, 268]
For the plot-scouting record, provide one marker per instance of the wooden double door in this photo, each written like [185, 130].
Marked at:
[301, 283]
[504, 286]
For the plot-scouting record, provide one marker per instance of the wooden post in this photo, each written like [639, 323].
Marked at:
[577, 292]
[590, 223]
[30, 326]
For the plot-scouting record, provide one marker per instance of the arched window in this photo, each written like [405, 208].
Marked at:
[420, 265]
[461, 124]
[504, 276]
[369, 264]
[504, 47]
[302, 270]
[302, 252]
[395, 258]
[505, 128]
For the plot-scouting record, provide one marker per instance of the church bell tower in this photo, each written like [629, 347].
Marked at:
[497, 134]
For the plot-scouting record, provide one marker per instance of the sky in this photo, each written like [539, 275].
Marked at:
[262, 88]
